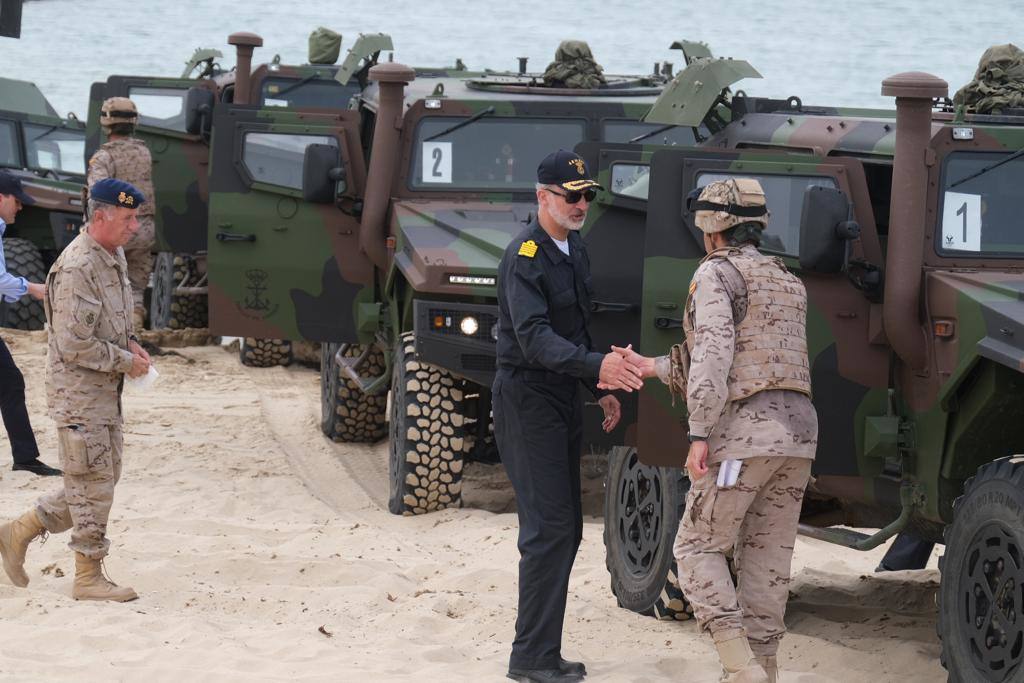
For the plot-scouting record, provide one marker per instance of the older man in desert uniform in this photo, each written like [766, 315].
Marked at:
[91, 348]
[743, 369]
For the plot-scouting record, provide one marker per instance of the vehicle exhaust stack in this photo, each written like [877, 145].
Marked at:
[914, 92]
[393, 78]
[244, 44]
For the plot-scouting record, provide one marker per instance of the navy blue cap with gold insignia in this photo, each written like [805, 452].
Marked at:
[117, 193]
[567, 170]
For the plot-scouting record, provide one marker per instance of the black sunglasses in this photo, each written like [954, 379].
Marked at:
[572, 197]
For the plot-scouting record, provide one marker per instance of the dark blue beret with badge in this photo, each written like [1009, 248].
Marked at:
[116, 193]
[567, 170]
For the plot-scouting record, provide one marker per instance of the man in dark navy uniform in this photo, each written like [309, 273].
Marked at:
[544, 354]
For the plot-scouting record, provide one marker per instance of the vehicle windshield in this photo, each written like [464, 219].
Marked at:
[319, 92]
[60, 149]
[981, 215]
[626, 131]
[491, 153]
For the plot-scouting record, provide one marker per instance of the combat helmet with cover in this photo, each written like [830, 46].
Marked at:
[118, 110]
[725, 204]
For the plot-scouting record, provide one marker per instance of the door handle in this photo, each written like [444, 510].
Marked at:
[611, 307]
[668, 323]
[233, 237]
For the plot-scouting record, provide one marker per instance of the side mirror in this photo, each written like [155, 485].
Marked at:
[323, 176]
[198, 111]
[825, 230]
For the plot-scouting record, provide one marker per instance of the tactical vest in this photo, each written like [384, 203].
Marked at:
[771, 340]
[134, 164]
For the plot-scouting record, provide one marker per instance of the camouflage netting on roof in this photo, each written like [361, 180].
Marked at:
[574, 67]
[324, 46]
[998, 83]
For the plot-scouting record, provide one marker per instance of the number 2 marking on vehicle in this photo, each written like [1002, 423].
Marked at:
[437, 162]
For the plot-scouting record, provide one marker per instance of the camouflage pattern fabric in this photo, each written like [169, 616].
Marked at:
[88, 303]
[574, 67]
[91, 458]
[734, 191]
[998, 82]
[757, 519]
[139, 255]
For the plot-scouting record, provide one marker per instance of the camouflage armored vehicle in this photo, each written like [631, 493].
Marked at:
[175, 121]
[392, 264]
[902, 225]
[47, 152]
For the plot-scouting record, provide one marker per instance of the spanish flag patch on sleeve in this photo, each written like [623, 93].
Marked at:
[528, 249]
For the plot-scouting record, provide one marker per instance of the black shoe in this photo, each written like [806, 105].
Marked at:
[567, 667]
[544, 675]
[38, 467]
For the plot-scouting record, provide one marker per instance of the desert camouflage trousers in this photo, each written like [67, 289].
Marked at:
[139, 255]
[90, 456]
[755, 520]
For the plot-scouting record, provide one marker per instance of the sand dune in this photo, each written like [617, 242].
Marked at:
[263, 551]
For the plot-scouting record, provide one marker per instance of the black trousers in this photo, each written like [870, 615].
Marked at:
[539, 426]
[13, 410]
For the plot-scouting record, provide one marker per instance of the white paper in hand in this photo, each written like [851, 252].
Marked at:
[728, 473]
[144, 382]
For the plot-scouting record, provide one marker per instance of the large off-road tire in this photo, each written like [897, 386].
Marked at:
[981, 595]
[176, 311]
[25, 260]
[642, 509]
[346, 413]
[264, 353]
[427, 444]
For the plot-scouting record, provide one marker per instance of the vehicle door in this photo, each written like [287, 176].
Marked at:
[614, 234]
[180, 159]
[279, 266]
[849, 361]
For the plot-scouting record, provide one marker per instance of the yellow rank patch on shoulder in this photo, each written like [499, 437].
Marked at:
[528, 249]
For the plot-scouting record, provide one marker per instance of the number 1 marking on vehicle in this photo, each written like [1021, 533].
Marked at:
[962, 211]
[961, 222]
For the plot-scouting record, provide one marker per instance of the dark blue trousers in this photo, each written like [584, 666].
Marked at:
[13, 410]
[538, 426]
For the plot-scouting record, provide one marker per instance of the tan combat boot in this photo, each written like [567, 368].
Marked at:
[90, 584]
[771, 667]
[14, 539]
[738, 662]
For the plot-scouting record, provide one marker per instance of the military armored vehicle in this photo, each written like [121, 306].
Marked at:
[902, 226]
[175, 121]
[46, 151]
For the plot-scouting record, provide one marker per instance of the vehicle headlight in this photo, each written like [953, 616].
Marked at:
[469, 326]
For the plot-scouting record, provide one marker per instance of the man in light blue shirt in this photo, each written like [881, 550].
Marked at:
[12, 383]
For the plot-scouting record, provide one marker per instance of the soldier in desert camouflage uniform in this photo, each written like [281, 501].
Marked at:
[127, 158]
[753, 431]
[91, 348]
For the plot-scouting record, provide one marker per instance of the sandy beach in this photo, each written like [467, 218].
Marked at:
[263, 551]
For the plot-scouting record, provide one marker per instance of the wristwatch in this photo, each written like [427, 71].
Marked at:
[132, 337]
[694, 437]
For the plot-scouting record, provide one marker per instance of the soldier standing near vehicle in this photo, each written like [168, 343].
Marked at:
[91, 348]
[12, 383]
[753, 429]
[544, 352]
[127, 158]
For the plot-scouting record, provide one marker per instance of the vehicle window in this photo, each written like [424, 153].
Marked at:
[491, 153]
[160, 107]
[981, 215]
[630, 180]
[8, 144]
[785, 197]
[276, 158]
[50, 147]
[626, 130]
[321, 93]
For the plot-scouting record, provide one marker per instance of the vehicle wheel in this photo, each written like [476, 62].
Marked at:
[981, 594]
[264, 353]
[25, 260]
[642, 509]
[346, 413]
[175, 311]
[426, 448]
